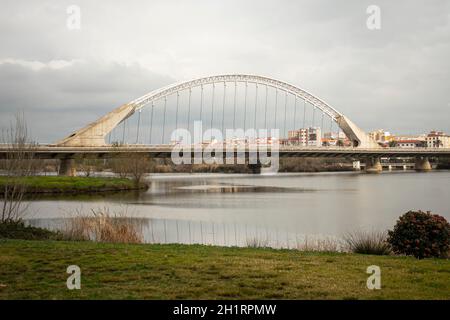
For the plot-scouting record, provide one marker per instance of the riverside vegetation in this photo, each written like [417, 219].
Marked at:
[56, 184]
[37, 270]
[115, 265]
[88, 166]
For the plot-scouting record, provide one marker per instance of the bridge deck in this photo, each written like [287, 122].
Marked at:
[163, 151]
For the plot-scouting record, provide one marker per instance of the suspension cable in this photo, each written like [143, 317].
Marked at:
[321, 124]
[151, 122]
[123, 135]
[234, 107]
[331, 127]
[189, 110]
[295, 112]
[164, 121]
[212, 109]
[339, 131]
[256, 105]
[285, 108]
[223, 107]
[128, 129]
[176, 113]
[313, 115]
[276, 107]
[201, 103]
[245, 105]
[265, 108]
[304, 113]
[138, 126]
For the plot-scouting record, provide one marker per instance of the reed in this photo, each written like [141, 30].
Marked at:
[322, 244]
[257, 243]
[368, 243]
[103, 226]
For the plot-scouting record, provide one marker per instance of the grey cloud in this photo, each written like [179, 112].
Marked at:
[58, 101]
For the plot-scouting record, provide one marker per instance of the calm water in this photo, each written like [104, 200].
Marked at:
[231, 209]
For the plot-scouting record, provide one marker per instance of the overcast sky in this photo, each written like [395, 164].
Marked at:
[396, 78]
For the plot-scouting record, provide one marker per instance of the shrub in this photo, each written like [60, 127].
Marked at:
[421, 234]
[368, 243]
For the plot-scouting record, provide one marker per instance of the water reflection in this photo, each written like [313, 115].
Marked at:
[297, 204]
[164, 231]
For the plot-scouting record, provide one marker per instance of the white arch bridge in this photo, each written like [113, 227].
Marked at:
[253, 101]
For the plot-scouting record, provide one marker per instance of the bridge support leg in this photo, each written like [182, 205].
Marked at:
[373, 165]
[67, 168]
[422, 164]
[357, 165]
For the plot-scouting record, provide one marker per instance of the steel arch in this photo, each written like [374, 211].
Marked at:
[94, 134]
[158, 94]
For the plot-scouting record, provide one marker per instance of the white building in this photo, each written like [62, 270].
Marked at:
[410, 143]
[314, 137]
[306, 137]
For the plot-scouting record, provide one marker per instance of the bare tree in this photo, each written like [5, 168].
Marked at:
[88, 165]
[119, 165]
[18, 163]
[139, 165]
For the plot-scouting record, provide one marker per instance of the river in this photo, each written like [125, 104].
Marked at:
[230, 209]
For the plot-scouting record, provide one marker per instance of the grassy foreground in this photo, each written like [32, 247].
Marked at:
[57, 184]
[37, 270]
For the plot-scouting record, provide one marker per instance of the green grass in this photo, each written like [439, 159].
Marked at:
[56, 184]
[37, 270]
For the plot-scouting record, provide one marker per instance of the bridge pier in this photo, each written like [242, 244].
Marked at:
[67, 167]
[422, 164]
[373, 165]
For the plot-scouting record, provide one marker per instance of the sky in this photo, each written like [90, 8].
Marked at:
[396, 77]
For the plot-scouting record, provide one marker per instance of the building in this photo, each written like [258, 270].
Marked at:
[410, 143]
[336, 139]
[334, 135]
[437, 139]
[314, 137]
[298, 137]
[381, 136]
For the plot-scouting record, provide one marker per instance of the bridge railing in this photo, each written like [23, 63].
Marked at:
[281, 147]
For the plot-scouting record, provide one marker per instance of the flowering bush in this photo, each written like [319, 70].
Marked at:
[421, 234]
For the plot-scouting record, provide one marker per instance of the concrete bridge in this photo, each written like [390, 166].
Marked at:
[370, 157]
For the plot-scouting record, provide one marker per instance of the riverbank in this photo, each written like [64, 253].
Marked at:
[70, 185]
[307, 164]
[37, 270]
